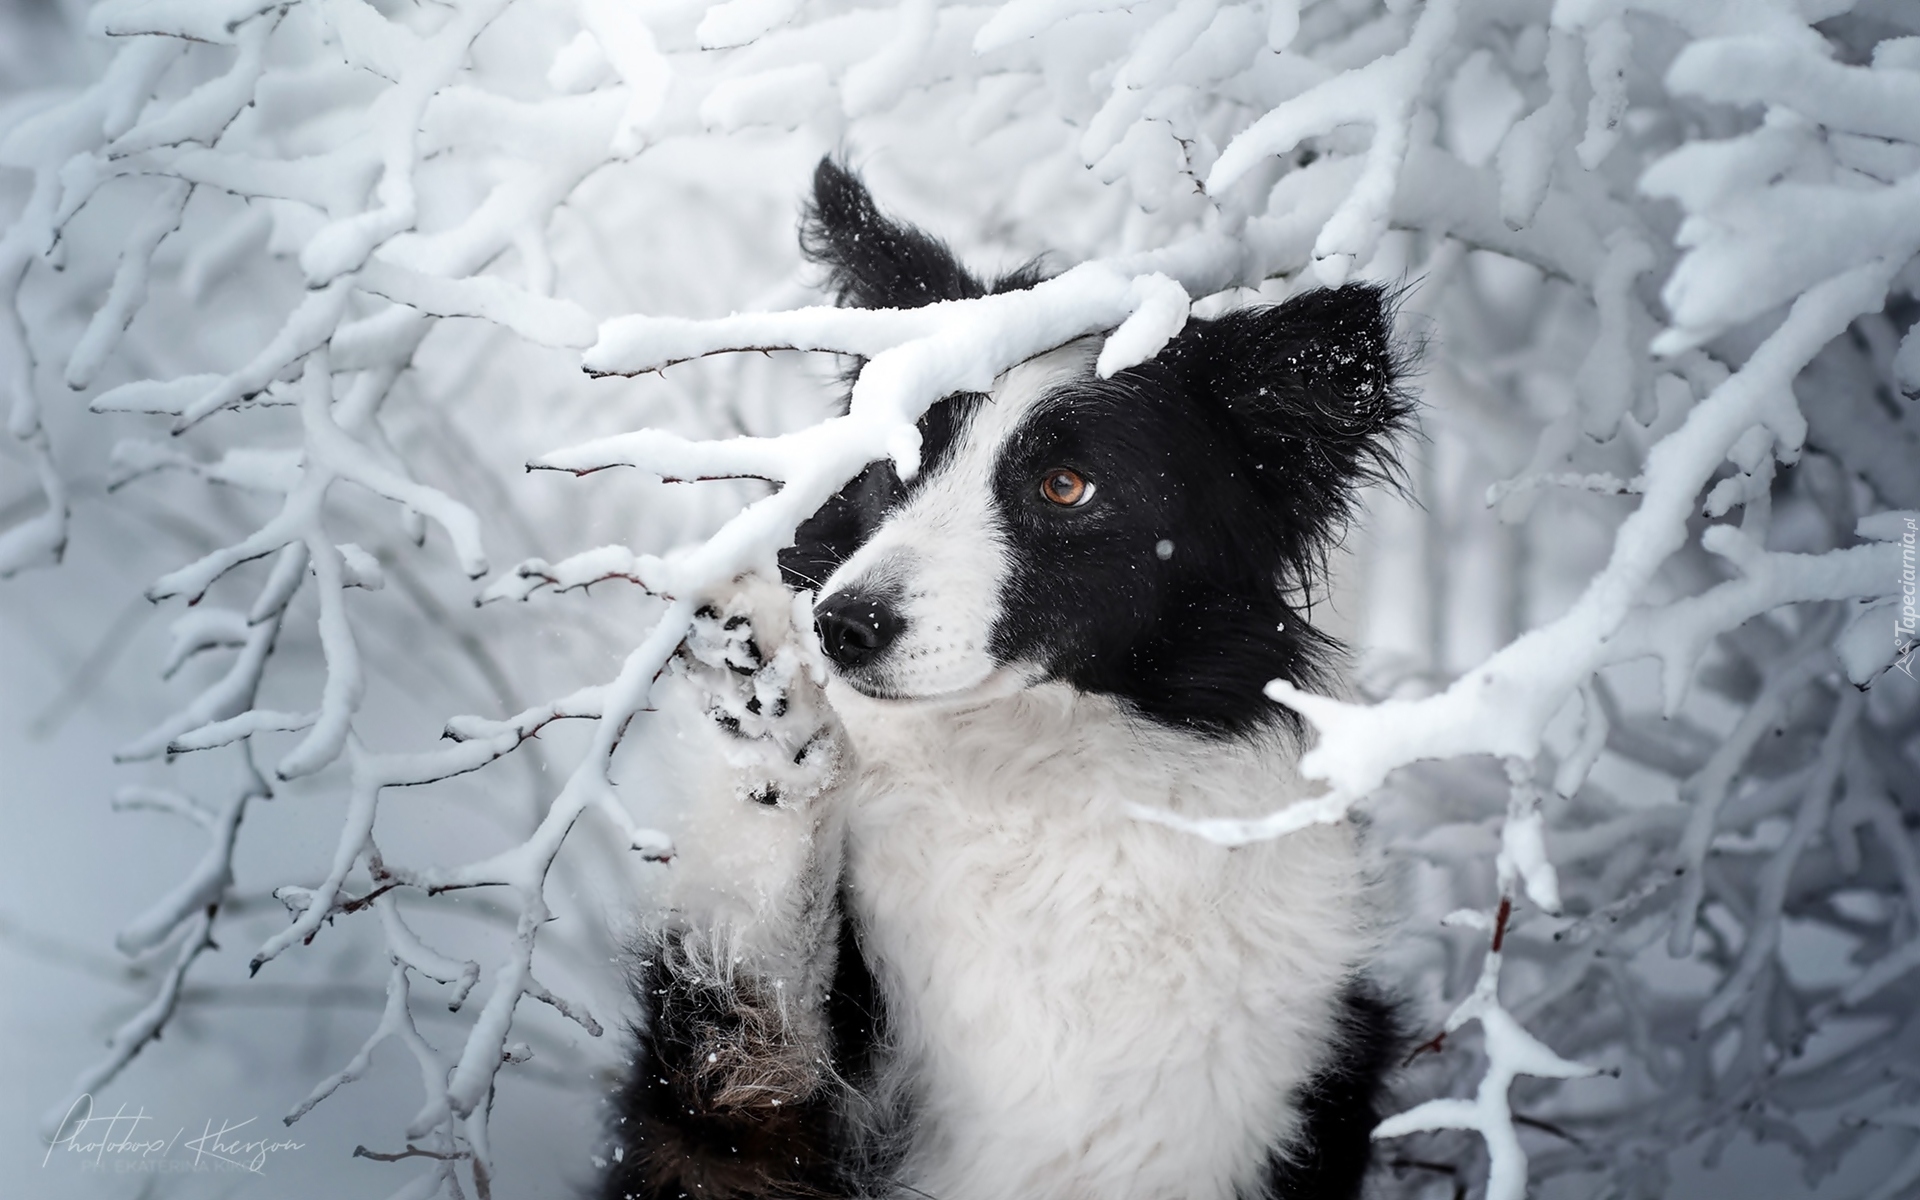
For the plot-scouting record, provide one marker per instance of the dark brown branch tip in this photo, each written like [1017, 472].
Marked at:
[660, 368]
[576, 472]
[1500, 922]
[356, 905]
[1548, 1127]
[412, 1151]
[437, 888]
[1432, 1045]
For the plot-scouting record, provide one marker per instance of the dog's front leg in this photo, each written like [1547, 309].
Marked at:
[732, 1095]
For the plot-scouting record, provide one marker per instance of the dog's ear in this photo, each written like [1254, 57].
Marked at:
[872, 260]
[1312, 389]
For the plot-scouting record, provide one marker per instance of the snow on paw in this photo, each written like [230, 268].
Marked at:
[746, 659]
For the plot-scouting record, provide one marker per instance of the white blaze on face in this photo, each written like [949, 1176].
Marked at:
[942, 553]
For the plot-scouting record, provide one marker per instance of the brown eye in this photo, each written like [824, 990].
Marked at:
[1068, 489]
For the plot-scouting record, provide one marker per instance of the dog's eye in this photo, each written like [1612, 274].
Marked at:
[1068, 489]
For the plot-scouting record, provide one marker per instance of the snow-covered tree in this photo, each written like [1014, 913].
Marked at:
[291, 291]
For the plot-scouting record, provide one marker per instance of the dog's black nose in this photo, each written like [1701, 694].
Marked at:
[855, 627]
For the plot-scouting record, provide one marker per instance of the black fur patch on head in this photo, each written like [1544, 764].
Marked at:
[1223, 472]
[875, 261]
[872, 260]
[1313, 386]
[831, 535]
[849, 517]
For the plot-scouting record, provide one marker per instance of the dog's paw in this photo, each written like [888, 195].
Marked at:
[746, 662]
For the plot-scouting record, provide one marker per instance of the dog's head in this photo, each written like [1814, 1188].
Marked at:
[1148, 537]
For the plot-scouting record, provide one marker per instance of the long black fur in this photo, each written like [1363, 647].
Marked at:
[686, 1131]
[1341, 1105]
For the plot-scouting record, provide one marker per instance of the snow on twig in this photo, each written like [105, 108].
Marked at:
[1384, 93]
[144, 1026]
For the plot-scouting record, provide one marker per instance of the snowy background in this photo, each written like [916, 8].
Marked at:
[291, 294]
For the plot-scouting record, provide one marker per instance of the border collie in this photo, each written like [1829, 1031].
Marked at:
[915, 945]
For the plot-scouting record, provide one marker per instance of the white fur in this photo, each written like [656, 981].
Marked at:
[1087, 1006]
[754, 883]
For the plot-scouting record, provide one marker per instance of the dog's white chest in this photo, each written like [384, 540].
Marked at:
[1085, 1005]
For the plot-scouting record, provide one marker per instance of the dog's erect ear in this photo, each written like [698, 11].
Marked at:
[872, 260]
[1312, 388]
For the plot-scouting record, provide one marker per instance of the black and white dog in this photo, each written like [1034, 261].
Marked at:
[915, 943]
